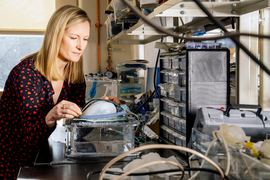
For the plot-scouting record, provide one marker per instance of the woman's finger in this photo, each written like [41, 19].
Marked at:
[70, 112]
[68, 116]
[69, 107]
[111, 98]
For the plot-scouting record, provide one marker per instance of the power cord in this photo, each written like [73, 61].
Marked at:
[156, 172]
[221, 139]
[183, 33]
[158, 146]
[137, 110]
[153, 163]
[206, 154]
[155, 71]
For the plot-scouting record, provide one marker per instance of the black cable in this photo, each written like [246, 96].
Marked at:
[236, 41]
[155, 73]
[232, 22]
[183, 33]
[157, 172]
[155, 70]
[182, 21]
[226, 35]
[145, 101]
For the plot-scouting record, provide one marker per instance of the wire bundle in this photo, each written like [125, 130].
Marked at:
[158, 147]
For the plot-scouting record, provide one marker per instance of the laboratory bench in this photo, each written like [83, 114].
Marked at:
[51, 163]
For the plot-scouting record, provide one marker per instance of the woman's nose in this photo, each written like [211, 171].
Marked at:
[79, 45]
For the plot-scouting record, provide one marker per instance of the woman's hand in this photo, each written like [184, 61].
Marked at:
[111, 98]
[64, 109]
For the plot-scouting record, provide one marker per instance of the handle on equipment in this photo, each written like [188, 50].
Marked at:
[245, 106]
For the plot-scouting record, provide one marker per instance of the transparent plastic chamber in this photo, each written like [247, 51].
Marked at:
[93, 139]
[101, 87]
[131, 79]
[177, 109]
[242, 165]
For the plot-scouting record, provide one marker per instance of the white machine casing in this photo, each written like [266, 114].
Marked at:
[210, 119]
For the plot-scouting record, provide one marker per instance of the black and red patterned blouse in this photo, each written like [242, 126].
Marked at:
[25, 102]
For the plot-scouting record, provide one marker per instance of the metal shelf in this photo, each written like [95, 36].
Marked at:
[180, 8]
[139, 27]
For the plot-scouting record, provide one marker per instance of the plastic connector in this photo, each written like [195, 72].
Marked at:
[250, 145]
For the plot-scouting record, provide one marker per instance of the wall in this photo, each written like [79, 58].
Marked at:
[60, 3]
[25, 14]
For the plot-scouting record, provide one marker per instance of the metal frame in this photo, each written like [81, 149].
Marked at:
[180, 8]
[264, 94]
[248, 69]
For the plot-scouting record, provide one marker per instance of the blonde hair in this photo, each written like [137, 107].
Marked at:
[46, 62]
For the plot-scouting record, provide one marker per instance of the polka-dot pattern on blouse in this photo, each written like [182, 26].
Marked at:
[25, 102]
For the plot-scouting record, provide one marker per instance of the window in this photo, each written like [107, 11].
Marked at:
[12, 49]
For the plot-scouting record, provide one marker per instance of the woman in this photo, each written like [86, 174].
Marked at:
[44, 87]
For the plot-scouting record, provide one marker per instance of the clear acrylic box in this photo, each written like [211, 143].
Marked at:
[93, 139]
[175, 92]
[165, 103]
[183, 109]
[175, 109]
[178, 62]
[177, 77]
[180, 124]
[174, 76]
[180, 140]
[165, 63]
[165, 75]
[175, 62]
[184, 127]
[182, 63]
[163, 89]
[165, 117]
[166, 134]
[183, 94]
[182, 79]
[173, 136]
[171, 121]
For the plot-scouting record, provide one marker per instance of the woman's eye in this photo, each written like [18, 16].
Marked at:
[73, 38]
[86, 39]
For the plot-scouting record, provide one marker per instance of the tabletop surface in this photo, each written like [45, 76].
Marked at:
[51, 164]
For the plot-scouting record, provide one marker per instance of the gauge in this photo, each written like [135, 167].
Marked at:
[109, 74]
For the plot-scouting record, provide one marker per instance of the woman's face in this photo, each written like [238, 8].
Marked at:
[74, 42]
